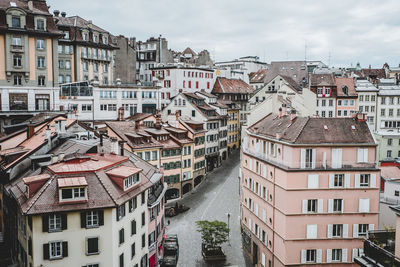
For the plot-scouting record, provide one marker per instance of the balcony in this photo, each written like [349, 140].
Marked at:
[379, 250]
[17, 48]
[317, 165]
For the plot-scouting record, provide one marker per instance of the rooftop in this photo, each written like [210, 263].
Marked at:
[231, 86]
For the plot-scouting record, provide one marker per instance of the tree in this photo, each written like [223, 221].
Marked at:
[214, 233]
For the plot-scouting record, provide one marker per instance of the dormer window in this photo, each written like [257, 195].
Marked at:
[72, 189]
[40, 25]
[16, 22]
[131, 181]
[85, 36]
[95, 38]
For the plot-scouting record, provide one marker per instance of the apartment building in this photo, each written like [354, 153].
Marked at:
[388, 119]
[175, 78]
[113, 201]
[160, 145]
[28, 45]
[194, 107]
[324, 86]
[240, 68]
[367, 100]
[346, 100]
[319, 174]
[150, 53]
[85, 51]
[108, 102]
[234, 91]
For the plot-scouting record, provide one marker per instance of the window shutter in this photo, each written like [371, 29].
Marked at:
[355, 230]
[373, 180]
[133, 227]
[365, 154]
[342, 206]
[347, 180]
[264, 216]
[319, 255]
[266, 194]
[345, 230]
[312, 231]
[263, 259]
[46, 251]
[371, 227]
[64, 221]
[363, 205]
[257, 209]
[303, 158]
[313, 182]
[320, 205]
[330, 205]
[303, 256]
[330, 227]
[101, 217]
[354, 254]
[357, 180]
[331, 178]
[329, 255]
[117, 213]
[314, 156]
[360, 155]
[304, 205]
[65, 249]
[265, 171]
[83, 219]
[45, 223]
[344, 255]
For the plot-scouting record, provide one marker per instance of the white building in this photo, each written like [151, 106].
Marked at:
[100, 102]
[174, 78]
[367, 99]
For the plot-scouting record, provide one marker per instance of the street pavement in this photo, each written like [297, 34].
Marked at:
[213, 199]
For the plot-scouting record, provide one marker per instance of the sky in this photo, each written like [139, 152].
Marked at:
[338, 32]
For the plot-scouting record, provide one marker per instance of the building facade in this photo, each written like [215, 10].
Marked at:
[319, 174]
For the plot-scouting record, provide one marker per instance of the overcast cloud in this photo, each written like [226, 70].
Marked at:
[341, 32]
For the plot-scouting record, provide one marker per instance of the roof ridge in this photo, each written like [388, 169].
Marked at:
[301, 129]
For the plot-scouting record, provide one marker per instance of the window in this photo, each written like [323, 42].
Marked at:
[60, 49]
[383, 100]
[67, 64]
[337, 254]
[389, 153]
[17, 41]
[330, 102]
[17, 59]
[121, 260]
[311, 255]
[382, 112]
[364, 180]
[133, 227]
[362, 229]
[143, 240]
[323, 114]
[92, 245]
[55, 250]
[396, 193]
[133, 204]
[60, 64]
[54, 222]
[338, 180]
[92, 219]
[73, 193]
[309, 158]
[40, 44]
[337, 205]
[40, 24]
[131, 181]
[312, 205]
[337, 230]
[362, 155]
[390, 112]
[86, 107]
[41, 81]
[389, 141]
[133, 250]
[143, 196]
[68, 78]
[40, 62]
[121, 212]
[121, 236]
[143, 218]
[17, 79]
[16, 22]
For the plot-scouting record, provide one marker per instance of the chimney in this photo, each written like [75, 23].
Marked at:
[56, 13]
[278, 135]
[48, 135]
[114, 146]
[293, 115]
[283, 110]
[121, 114]
[121, 147]
[63, 123]
[177, 115]
[30, 5]
[63, 14]
[280, 112]
[31, 130]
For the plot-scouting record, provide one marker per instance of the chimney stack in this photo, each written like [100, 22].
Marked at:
[30, 5]
[31, 130]
[121, 147]
[48, 135]
[114, 146]
[293, 115]
[121, 114]
[56, 13]
[63, 14]
[283, 110]
[280, 112]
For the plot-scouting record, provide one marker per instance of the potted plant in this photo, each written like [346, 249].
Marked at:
[213, 235]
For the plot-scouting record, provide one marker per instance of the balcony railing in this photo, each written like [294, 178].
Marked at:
[317, 165]
[379, 248]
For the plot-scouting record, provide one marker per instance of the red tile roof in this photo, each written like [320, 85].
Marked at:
[342, 83]
[258, 77]
[231, 86]
[71, 182]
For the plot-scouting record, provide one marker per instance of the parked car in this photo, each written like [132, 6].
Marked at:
[171, 251]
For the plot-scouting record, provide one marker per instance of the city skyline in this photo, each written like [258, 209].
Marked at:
[351, 32]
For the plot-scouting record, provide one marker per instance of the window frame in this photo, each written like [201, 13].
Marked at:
[87, 245]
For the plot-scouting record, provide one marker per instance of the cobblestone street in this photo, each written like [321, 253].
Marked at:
[217, 196]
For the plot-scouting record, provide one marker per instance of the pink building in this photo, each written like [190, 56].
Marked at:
[309, 190]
